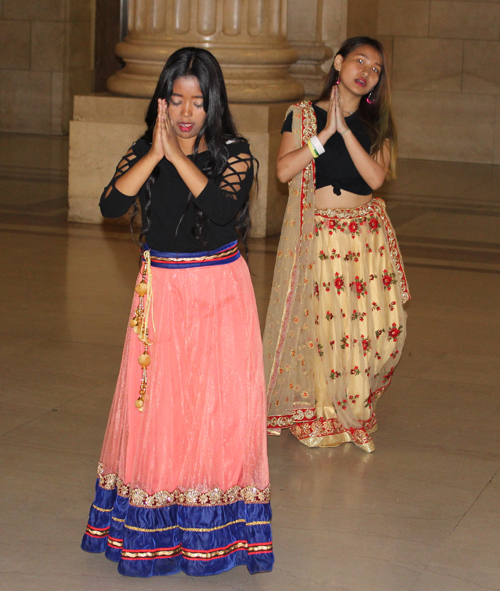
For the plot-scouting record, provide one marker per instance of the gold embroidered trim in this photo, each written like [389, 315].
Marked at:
[189, 498]
[101, 509]
[114, 543]
[193, 554]
[331, 433]
[254, 549]
[283, 422]
[97, 533]
[197, 259]
[119, 520]
[196, 529]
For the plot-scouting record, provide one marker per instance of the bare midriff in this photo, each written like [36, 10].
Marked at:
[325, 198]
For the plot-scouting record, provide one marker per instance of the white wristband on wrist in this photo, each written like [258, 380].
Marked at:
[317, 144]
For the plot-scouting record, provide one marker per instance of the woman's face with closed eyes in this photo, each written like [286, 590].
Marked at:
[185, 108]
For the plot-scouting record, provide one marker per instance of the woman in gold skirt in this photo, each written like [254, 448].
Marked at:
[336, 325]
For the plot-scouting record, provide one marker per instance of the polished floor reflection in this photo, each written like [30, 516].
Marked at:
[422, 513]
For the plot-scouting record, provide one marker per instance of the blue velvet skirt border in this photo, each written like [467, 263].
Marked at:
[196, 540]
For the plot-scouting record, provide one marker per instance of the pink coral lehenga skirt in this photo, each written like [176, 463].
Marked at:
[184, 484]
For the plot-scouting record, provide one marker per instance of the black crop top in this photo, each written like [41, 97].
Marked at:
[335, 167]
[170, 212]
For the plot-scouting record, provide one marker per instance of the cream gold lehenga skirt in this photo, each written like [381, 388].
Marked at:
[359, 291]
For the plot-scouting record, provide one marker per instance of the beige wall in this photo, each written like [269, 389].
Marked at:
[445, 60]
[446, 88]
[45, 58]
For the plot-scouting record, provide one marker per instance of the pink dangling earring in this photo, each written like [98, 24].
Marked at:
[338, 80]
[368, 98]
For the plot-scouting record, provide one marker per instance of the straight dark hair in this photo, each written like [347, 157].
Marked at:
[375, 112]
[217, 129]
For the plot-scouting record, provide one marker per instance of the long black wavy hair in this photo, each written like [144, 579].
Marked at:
[376, 111]
[217, 128]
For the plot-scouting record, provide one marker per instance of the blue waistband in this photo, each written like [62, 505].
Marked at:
[185, 260]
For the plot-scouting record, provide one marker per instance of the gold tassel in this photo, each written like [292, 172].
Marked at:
[139, 324]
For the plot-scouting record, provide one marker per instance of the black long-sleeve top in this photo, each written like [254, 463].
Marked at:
[172, 217]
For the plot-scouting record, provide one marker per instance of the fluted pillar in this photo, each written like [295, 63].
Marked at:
[248, 37]
[315, 30]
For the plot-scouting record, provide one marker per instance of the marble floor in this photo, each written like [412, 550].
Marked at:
[422, 513]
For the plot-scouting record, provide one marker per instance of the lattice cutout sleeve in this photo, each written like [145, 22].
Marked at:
[222, 200]
[113, 203]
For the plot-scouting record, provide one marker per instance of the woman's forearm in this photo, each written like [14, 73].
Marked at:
[373, 173]
[292, 161]
[130, 182]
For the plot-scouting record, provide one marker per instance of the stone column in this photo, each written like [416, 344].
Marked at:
[248, 37]
[315, 31]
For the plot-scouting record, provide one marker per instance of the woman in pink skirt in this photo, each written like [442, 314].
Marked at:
[183, 482]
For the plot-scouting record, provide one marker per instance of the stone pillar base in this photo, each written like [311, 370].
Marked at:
[104, 127]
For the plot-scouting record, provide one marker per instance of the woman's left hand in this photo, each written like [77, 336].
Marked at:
[169, 141]
[339, 117]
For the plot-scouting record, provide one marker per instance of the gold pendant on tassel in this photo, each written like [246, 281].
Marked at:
[138, 323]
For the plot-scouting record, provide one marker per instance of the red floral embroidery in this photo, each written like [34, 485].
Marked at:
[388, 279]
[344, 340]
[358, 315]
[367, 345]
[359, 286]
[394, 332]
[334, 374]
[326, 286]
[389, 375]
[352, 256]
[339, 283]
[329, 315]
[374, 225]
